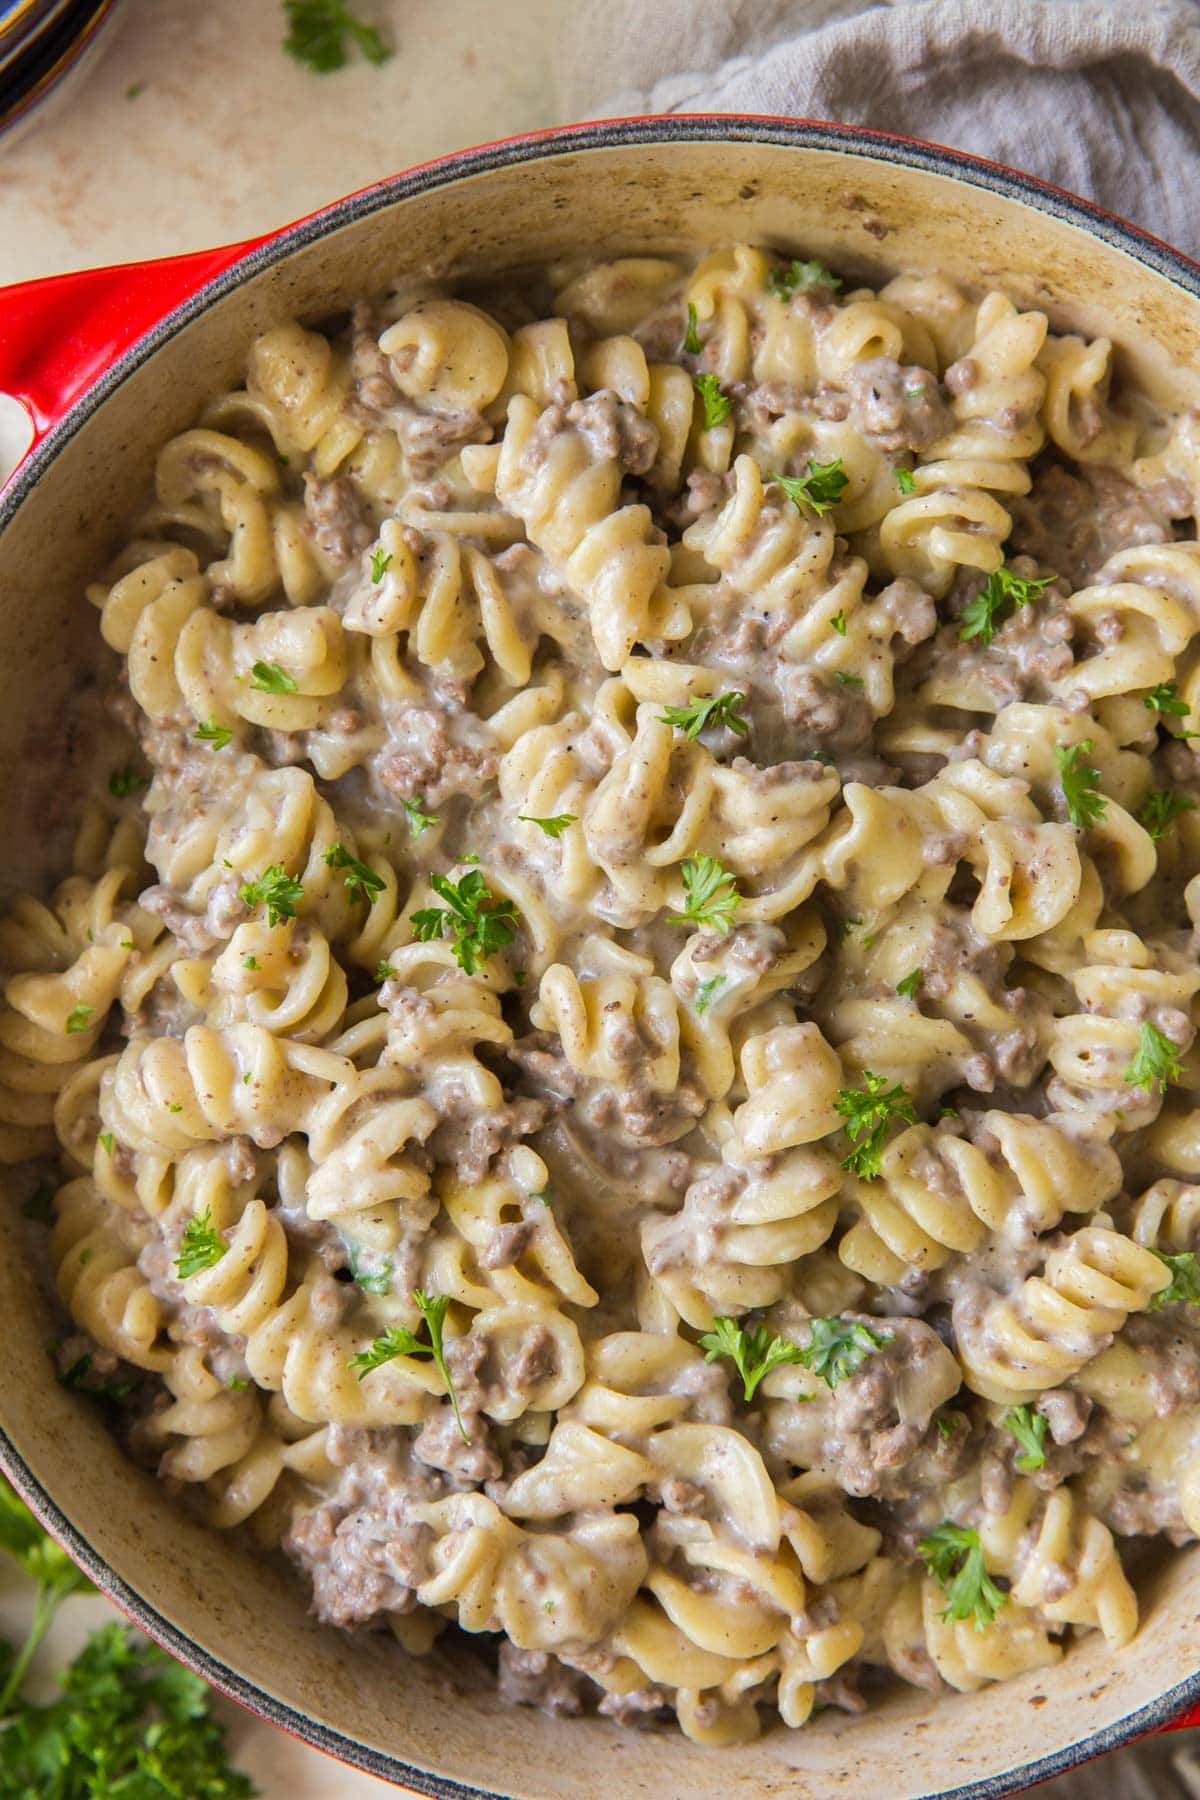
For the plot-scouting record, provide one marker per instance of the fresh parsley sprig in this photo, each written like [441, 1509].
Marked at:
[1160, 810]
[79, 1018]
[1164, 700]
[209, 732]
[997, 601]
[418, 819]
[1184, 1284]
[839, 1347]
[717, 709]
[753, 1353]
[795, 277]
[398, 1340]
[480, 923]
[201, 1245]
[362, 881]
[819, 488]
[1029, 1429]
[321, 31]
[381, 562]
[717, 405]
[906, 481]
[691, 338]
[1156, 1061]
[710, 895]
[954, 1557]
[554, 826]
[869, 1112]
[1086, 805]
[269, 678]
[275, 889]
[907, 988]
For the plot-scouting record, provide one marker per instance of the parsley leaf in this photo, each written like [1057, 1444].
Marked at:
[108, 1140]
[838, 622]
[789, 278]
[318, 31]
[1086, 805]
[381, 561]
[691, 337]
[1156, 1062]
[906, 481]
[275, 889]
[908, 987]
[997, 600]
[1184, 1283]
[1029, 1429]
[820, 487]
[211, 733]
[362, 882]
[77, 1018]
[1165, 699]
[717, 406]
[480, 923]
[23, 1539]
[850, 681]
[377, 1281]
[753, 1353]
[418, 819]
[269, 678]
[126, 781]
[706, 993]
[1160, 810]
[868, 1112]
[200, 1246]
[954, 1557]
[839, 1347]
[719, 709]
[554, 826]
[398, 1340]
[710, 895]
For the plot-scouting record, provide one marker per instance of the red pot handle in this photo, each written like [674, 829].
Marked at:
[1185, 1720]
[59, 334]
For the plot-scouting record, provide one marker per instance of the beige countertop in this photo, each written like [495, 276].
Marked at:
[224, 137]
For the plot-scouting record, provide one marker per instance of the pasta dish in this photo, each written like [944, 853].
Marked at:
[614, 1068]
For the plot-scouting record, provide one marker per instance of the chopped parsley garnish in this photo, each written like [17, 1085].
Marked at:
[706, 993]
[378, 1281]
[77, 1018]
[1165, 699]
[398, 1340]
[839, 1347]
[383, 972]
[480, 923]
[275, 889]
[418, 819]
[908, 987]
[109, 1142]
[868, 1112]
[954, 1557]
[249, 962]
[850, 681]
[1156, 1062]
[238, 1384]
[691, 337]
[1029, 1429]
[200, 1246]
[554, 826]
[126, 781]
[717, 406]
[1160, 810]
[753, 1353]
[819, 488]
[838, 622]
[1184, 1283]
[269, 678]
[1086, 805]
[997, 601]
[320, 31]
[381, 562]
[362, 882]
[794, 277]
[209, 732]
[719, 709]
[946, 1424]
[906, 481]
[710, 895]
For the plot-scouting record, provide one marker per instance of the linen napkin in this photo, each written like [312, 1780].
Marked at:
[1098, 96]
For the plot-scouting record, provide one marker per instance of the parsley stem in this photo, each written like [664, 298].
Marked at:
[45, 1605]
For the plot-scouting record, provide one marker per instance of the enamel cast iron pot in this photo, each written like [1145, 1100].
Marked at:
[110, 363]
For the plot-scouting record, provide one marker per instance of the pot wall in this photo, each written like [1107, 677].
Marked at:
[867, 216]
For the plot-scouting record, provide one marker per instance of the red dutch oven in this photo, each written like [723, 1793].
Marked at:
[108, 363]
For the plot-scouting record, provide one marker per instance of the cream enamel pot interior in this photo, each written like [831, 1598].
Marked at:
[867, 205]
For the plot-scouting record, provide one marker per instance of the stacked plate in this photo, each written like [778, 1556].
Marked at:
[41, 42]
